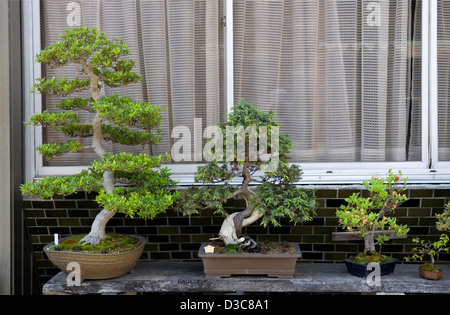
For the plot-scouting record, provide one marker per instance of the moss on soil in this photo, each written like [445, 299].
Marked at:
[373, 257]
[429, 267]
[114, 243]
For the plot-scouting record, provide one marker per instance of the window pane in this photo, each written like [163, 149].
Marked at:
[342, 77]
[444, 80]
[177, 46]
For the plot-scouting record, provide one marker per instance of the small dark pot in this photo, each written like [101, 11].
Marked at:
[360, 270]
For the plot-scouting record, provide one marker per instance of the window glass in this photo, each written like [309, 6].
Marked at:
[178, 48]
[444, 80]
[342, 77]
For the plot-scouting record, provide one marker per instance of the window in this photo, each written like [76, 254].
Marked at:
[350, 81]
[443, 68]
[339, 75]
[176, 45]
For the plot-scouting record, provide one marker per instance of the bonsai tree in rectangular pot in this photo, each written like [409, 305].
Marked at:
[257, 159]
[144, 183]
[371, 217]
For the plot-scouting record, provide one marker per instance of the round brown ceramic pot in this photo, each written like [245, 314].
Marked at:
[97, 266]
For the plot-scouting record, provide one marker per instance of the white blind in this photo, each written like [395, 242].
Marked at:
[177, 46]
[337, 74]
[444, 80]
[342, 76]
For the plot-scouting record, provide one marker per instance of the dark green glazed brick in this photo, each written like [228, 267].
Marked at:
[345, 193]
[442, 193]
[326, 193]
[420, 193]
[435, 202]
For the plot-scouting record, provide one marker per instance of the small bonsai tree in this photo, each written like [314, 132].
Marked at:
[430, 249]
[116, 118]
[266, 180]
[365, 216]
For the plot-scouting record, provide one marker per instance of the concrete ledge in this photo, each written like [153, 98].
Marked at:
[188, 277]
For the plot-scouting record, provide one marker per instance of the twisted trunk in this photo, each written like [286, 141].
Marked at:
[98, 228]
[231, 230]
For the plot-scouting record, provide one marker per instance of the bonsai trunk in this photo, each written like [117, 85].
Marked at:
[98, 228]
[369, 244]
[231, 230]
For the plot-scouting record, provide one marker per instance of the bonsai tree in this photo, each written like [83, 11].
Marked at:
[430, 249]
[257, 157]
[115, 118]
[367, 216]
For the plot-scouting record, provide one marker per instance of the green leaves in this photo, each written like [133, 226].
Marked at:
[53, 119]
[443, 223]
[48, 187]
[279, 201]
[117, 119]
[127, 162]
[206, 197]
[213, 173]
[365, 215]
[50, 150]
[136, 202]
[276, 198]
[61, 87]
[123, 111]
[429, 248]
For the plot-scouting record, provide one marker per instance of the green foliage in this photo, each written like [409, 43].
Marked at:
[279, 201]
[80, 44]
[443, 223]
[213, 172]
[146, 191]
[76, 103]
[365, 215]
[48, 187]
[53, 119]
[136, 201]
[123, 111]
[429, 248]
[61, 87]
[275, 198]
[127, 162]
[50, 150]
[212, 197]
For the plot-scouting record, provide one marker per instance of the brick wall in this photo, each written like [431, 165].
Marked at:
[172, 236]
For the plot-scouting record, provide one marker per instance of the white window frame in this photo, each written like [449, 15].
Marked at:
[427, 171]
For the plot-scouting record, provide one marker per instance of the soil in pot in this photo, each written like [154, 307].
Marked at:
[358, 265]
[266, 247]
[430, 272]
[115, 243]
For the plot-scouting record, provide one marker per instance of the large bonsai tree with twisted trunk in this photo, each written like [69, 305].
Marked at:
[266, 180]
[144, 191]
